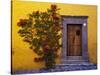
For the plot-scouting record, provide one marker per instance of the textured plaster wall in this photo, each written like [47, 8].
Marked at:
[23, 57]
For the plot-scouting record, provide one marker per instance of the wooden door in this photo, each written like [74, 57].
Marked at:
[74, 35]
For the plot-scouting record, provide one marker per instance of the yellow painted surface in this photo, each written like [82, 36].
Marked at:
[23, 57]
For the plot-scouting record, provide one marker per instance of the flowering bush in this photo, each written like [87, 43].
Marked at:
[40, 30]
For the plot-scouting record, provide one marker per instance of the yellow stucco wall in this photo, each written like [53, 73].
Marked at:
[23, 57]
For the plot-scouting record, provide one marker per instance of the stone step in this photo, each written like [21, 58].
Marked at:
[70, 67]
[63, 67]
[74, 61]
[75, 67]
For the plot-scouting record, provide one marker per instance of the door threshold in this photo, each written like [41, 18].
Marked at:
[74, 58]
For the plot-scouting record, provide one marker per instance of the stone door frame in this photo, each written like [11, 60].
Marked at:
[74, 20]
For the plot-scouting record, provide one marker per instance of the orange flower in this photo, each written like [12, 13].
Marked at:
[55, 16]
[27, 40]
[46, 47]
[22, 22]
[53, 6]
[38, 59]
[37, 12]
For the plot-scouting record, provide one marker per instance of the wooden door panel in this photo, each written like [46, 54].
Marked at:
[74, 35]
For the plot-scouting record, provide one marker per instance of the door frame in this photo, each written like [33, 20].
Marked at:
[74, 20]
